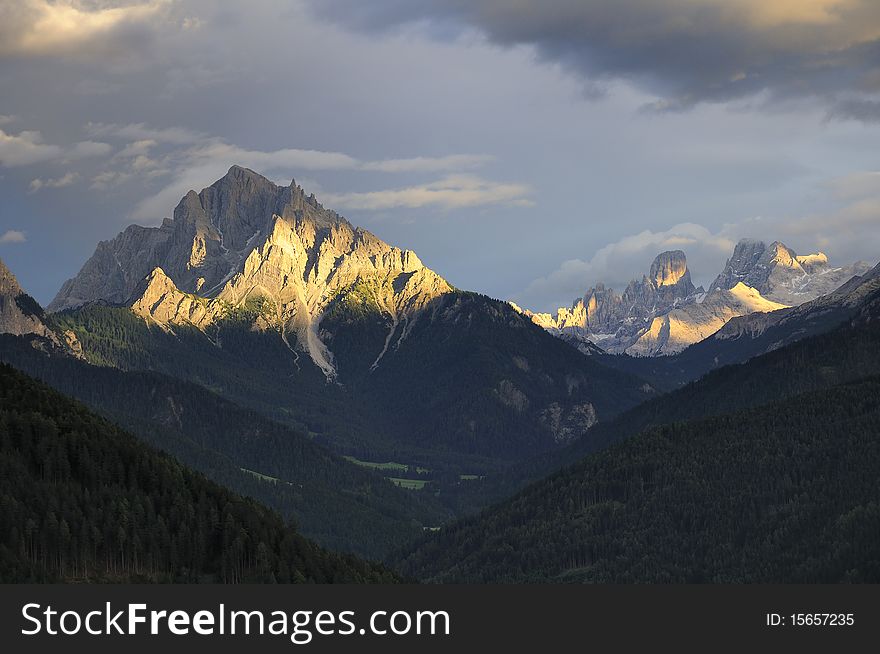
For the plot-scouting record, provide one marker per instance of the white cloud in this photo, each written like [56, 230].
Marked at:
[104, 180]
[12, 236]
[452, 192]
[144, 137]
[136, 149]
[27, 147]
[60, 182]
[851, 228]
[4, 119]
[194, 160]
[41, 27]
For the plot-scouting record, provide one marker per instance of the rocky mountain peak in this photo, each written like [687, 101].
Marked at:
[668, 268]
[20, 314]
[208, 238]
[779, 254]
[244, 241]
[8, 282]
[153, 284]
[780, 274]
[663, 312]
[616, 321]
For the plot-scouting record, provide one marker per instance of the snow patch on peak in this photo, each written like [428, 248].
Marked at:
[752, 300]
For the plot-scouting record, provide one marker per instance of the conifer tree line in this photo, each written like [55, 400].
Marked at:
[783, 493]
[82, 500]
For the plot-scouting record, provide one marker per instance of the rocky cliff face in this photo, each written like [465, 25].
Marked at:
[205, 243]
[20, 315]
[796, 321]
[663, 313]
[780, 274]
[673, 331]
[670, 270]
[246, 246]
[617, 322]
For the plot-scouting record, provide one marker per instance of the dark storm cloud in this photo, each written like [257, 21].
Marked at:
[685, 51]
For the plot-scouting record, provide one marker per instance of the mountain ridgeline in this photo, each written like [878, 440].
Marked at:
[259, 293]
[763, 471]
[748, 336]
[663, 313]
[20, 314]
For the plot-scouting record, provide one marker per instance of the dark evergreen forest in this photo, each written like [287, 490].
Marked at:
[83, 500]
[785, 493]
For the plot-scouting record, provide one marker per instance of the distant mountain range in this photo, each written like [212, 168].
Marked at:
[663, 313]
[750, 335]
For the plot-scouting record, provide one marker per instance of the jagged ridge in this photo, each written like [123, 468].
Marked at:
[20, 314]
[663, 313]
[245, 240]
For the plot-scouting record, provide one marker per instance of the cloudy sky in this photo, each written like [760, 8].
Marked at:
[524, 149]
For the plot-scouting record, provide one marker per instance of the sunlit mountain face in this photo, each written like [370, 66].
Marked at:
[663, 313]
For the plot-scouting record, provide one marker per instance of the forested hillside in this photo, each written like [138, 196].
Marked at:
[850, 352]
[472, 387]
[80, 499]
[785, 493]
[340, 505]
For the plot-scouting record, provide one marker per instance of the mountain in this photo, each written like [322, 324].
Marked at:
[692, 322]
[751, 335]
[844, 351]
[617, 322]
[260, 294]
[209, 237]
[785, 493]
[781, 275]
[20, 314]
[663, 313]
[85, 501]
[336, 503]
[245, 242]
